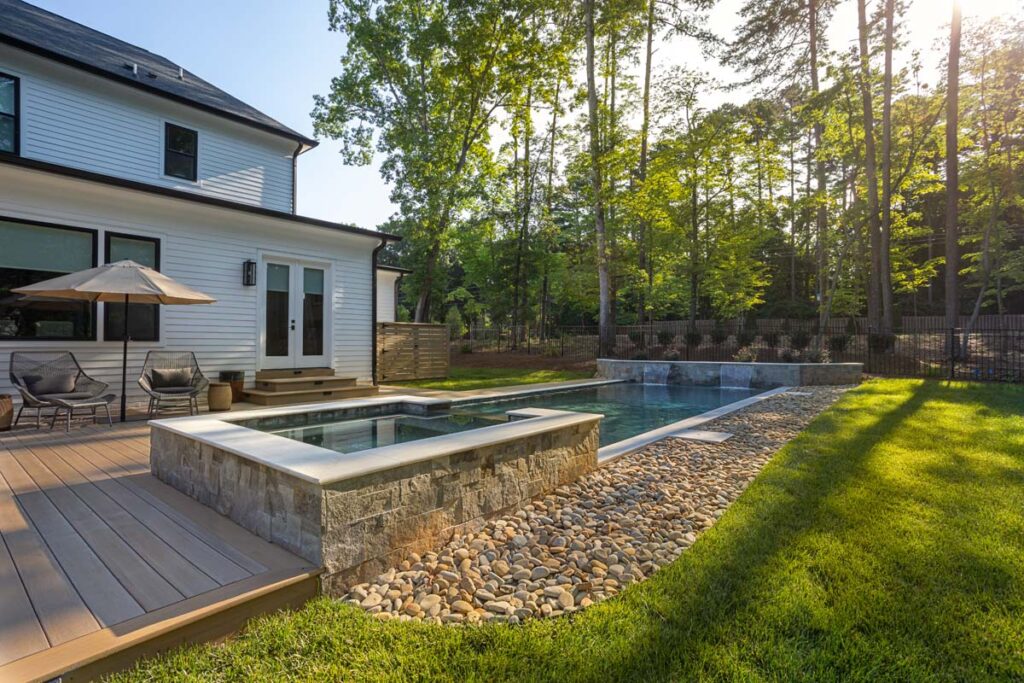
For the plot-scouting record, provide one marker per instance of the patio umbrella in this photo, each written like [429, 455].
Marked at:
[124, 282]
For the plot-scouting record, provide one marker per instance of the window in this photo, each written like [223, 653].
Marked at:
[143, 319]
[181, 150]
[33, 252]
[8, 114]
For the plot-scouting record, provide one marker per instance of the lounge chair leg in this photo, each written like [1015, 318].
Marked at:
[70, 410]
[53, 420]
[39, 417]
[94, 415]
[18, 416]
[110, 422]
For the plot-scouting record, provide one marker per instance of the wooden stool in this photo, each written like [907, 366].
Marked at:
[219, 396]
[6, 412]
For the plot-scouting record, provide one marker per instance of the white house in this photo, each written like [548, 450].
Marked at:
[107, 152]
[388, 280]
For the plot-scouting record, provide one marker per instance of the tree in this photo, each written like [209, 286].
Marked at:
[953, 170]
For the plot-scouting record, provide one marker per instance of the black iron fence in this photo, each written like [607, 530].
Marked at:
[987, 353]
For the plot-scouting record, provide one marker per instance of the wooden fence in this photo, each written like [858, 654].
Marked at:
[408, 351]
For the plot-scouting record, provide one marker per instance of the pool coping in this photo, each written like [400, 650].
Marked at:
[323, 466]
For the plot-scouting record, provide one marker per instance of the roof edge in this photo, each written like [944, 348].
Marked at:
[307, 142]
[394, 269]
[123, 183]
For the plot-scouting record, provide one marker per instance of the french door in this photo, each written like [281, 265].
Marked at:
[295, 315]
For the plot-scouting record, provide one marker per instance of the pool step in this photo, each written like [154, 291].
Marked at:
[290, 373]
[281, 398]
[308, 383]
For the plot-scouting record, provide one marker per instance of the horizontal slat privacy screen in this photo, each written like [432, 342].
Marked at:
[52, 250]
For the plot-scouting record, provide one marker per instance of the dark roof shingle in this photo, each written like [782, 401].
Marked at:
[50, 35]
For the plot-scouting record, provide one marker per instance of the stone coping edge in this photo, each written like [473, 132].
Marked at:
[614, 451]
[724, 362]
[499, 395]
[322, 466]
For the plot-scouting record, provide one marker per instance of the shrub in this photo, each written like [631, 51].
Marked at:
[637, 337]
[815, 356]
[640, 356]
[789, 356]
[745, 355]
[837, 343]
[745, 337]
[770, 339]
[881, 343]
[693, 338]
[719, 334]
[672, 355]
[665, 337]
[800, 340]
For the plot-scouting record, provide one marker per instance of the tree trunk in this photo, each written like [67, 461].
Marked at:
[870, 172]
[885, 265]
[643, 256]
[821, 217]
[606, 331]
[952, 172]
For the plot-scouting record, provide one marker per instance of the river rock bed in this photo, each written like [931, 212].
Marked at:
[587, 541]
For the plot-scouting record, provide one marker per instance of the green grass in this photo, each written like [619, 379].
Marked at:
[467, 379]
[884, 543]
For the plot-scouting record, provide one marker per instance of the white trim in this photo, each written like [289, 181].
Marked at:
[295, 359]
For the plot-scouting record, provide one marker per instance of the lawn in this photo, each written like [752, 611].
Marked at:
[884, 543]
[467, 379]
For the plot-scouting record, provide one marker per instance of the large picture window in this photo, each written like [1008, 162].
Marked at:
[8, 114]
[181, 152]
[143, 319]
[31, 253]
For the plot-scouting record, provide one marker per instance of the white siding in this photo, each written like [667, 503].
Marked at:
[75, 119]
[203, 247]
[386, 280]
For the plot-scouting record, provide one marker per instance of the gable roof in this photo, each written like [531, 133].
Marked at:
[52, 36]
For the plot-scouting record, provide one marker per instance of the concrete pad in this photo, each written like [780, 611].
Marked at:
[702, 435]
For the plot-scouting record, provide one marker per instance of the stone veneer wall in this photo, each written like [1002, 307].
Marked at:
[705, 373]
[358, 527]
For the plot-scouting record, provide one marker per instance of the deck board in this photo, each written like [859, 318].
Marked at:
[91, 543]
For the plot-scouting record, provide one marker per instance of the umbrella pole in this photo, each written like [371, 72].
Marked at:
[124, 364]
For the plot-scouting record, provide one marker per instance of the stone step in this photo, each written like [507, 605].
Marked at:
[304, 383]
[282, 398]
[294, 372]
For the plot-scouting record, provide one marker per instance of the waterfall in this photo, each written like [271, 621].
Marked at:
[735, 375]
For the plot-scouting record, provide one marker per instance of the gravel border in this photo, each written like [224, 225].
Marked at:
[588, 540]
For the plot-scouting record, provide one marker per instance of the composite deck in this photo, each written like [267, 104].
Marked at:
[100, 562]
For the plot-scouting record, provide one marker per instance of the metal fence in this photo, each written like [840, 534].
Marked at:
[988, 353]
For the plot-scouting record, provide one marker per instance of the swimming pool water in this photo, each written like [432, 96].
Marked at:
[351, 435]
[629, 409]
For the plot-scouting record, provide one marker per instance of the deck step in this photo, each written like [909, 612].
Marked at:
[281, 398]
[294, 372]
[313, 383]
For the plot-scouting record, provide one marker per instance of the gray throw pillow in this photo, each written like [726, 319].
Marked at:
[55, 384]
[166, 378]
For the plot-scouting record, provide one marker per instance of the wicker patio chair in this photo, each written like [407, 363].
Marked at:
[53, 379]
[172, 378]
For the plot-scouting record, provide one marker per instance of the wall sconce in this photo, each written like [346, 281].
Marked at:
[249, 273]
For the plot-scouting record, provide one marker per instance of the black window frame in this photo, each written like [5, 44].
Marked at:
[92, 306]
[168, 126]
[16, 116]
[106, 307]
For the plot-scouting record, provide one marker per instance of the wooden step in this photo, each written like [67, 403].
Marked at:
[304, 383]
[294, 372]
[282, 398]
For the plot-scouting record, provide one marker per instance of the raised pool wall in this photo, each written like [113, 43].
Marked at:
[753, 375]
[359, 526]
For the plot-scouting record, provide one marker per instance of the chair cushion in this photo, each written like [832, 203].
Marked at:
[54, 384]
[66, 396]
[174, 390]
[164, 378]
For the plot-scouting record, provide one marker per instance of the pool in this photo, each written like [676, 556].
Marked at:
[352, 435]
[628, 409]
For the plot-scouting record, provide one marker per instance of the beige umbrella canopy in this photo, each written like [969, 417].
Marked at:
[124, 282]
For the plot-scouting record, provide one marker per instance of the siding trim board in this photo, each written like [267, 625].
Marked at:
[90, 176]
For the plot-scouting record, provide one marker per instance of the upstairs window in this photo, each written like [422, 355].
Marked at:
[8, 114]
[181, 146]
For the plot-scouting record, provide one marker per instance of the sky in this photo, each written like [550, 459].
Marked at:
[276, 54]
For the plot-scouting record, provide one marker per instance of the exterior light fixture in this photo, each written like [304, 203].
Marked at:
[249, 273]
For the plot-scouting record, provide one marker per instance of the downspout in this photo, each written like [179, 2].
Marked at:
[373, 307]
[295, 179]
